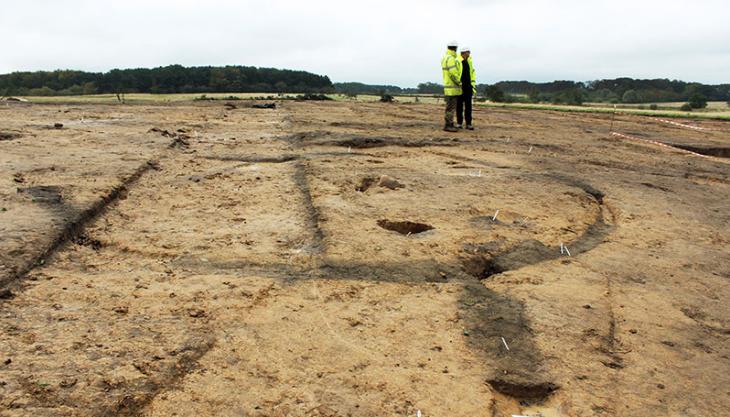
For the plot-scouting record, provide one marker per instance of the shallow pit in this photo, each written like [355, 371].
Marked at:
[405, 227]
[365, 184]
[526, 391]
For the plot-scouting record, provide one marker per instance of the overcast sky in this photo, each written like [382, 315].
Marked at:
[379, 41]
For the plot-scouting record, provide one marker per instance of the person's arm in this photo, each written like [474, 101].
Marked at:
[473, 81]
[454, 73]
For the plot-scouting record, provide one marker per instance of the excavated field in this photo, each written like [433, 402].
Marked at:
[351, 259]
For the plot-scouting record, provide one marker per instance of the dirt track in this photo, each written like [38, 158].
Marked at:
[239, 262]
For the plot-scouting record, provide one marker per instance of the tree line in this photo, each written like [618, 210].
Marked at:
[168, 79]
[208, 79]
[618, 90]
[353, 88]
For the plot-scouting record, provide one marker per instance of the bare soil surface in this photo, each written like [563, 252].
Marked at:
[351, 259]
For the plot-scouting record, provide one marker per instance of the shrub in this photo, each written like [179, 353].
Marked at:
[698, 101]
[494, 94]
[386, 98]
[686, 107]
[313, 97]
[653, 107]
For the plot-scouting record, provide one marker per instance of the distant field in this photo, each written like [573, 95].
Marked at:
[714, 110]
[139, 98]
[711, 105]
[172, 98]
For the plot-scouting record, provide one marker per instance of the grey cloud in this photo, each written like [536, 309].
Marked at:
[377, 41]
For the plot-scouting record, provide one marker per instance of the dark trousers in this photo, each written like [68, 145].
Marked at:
[463, 109]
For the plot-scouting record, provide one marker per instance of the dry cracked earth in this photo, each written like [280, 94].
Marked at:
[351, 259]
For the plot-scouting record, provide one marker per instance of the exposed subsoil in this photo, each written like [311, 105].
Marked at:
[351, 259]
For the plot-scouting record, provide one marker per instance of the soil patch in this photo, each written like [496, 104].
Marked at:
[9, 135]
[50, 194]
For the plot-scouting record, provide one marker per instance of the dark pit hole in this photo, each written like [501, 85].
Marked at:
[43, 193]
[84, 240]
[613, 364]
[264, 106]
[366, 183]
[530, 392]
[598, 195]
[713, 151]
[405, 227]
[9, 135]
[481, 267]
[179, 142]
[255, 158]
[362, 143]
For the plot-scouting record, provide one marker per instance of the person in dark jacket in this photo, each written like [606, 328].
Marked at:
[468, 89]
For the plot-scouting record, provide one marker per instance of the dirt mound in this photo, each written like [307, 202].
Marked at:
[384, 181]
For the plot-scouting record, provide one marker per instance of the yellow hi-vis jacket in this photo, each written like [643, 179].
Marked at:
[451, 67]
[473, 74]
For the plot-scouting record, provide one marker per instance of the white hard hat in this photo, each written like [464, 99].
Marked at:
[452, 44]
[466, 49]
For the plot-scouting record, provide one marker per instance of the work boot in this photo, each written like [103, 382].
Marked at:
[450, 128]
[469, 127]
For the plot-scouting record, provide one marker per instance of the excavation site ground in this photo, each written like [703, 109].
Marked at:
[352, 259]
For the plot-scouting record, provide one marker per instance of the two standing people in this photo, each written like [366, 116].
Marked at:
[459, 87]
